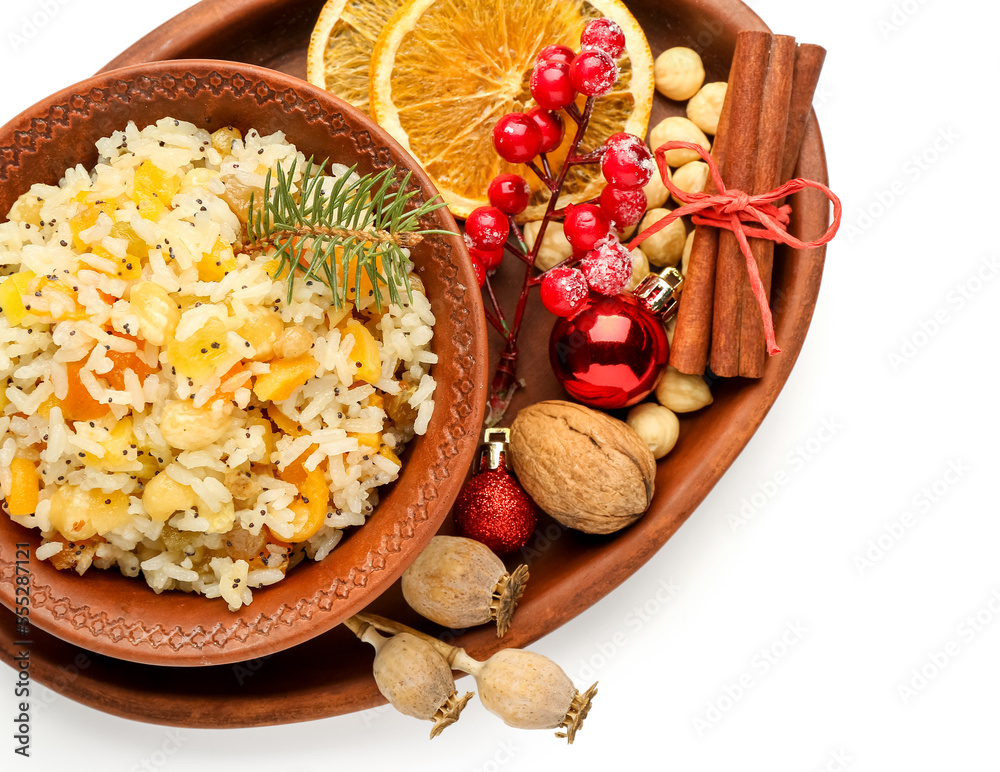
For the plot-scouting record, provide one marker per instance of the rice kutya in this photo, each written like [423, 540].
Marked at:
[163, 408]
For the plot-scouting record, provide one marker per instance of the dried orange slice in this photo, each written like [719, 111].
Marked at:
[444, 71]
[340, 48]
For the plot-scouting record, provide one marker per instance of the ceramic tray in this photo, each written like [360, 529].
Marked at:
[331, 674]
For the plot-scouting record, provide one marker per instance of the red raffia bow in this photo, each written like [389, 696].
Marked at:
[732, 209]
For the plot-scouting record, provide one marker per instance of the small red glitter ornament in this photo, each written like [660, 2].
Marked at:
[492, 508]
[610, 354]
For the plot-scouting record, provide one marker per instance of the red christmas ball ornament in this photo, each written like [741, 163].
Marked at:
[611, 353]
[491, 507]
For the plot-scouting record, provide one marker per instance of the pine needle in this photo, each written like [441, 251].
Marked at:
[319, 231]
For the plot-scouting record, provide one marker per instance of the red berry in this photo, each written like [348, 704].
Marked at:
[621, 137]
[487, 228]
[563, 291]
[627, 161]
[552, 127]
[623, 206]
[593, 72]
[509, 193]
[556, 54]
[517, 138]
[585, 225]
[608, 267]
[605, 35]
[550, 85]
[490, 258]
[479, 269]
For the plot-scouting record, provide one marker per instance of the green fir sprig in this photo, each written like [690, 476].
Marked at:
[368, 221]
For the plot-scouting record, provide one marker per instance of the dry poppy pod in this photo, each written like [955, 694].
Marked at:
[416, 679]
[529, 691]
[459, 583]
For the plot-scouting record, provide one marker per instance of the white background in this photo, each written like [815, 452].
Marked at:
[907, 102]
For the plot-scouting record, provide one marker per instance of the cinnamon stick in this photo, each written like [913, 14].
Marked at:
[689, 352]
[808, 65]
[689, 349]
[746, 89]
[770, 157]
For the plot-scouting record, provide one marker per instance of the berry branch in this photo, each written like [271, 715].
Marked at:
[600, 263]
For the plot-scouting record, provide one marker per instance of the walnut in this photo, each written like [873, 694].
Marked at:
[586, 469]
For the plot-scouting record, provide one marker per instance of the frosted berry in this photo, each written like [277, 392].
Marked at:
[623, 206]
[564, 291]
[604, 35]
[509, 193]
[479, 269]
[585, 225]
[517, 138]
[608, 267]
[487, 228]
[627, 162]
[593, 72]
[490, 258]
[550, 85]
[552, 127]
[556, 54]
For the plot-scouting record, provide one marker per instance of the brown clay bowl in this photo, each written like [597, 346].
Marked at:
[109, 614]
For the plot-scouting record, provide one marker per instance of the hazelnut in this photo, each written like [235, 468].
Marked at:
[679, 73]
[691, 178]
[664, 247]
[640, 268]
[686, 254]
[705, 107]
[656, 192]
[681, 392]
[554, 249]
[677, 129]
[658, 427]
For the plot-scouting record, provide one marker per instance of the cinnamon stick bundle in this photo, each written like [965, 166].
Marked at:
[689, 352]
[771, 87]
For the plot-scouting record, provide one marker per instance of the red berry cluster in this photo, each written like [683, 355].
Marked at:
[600, 263]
